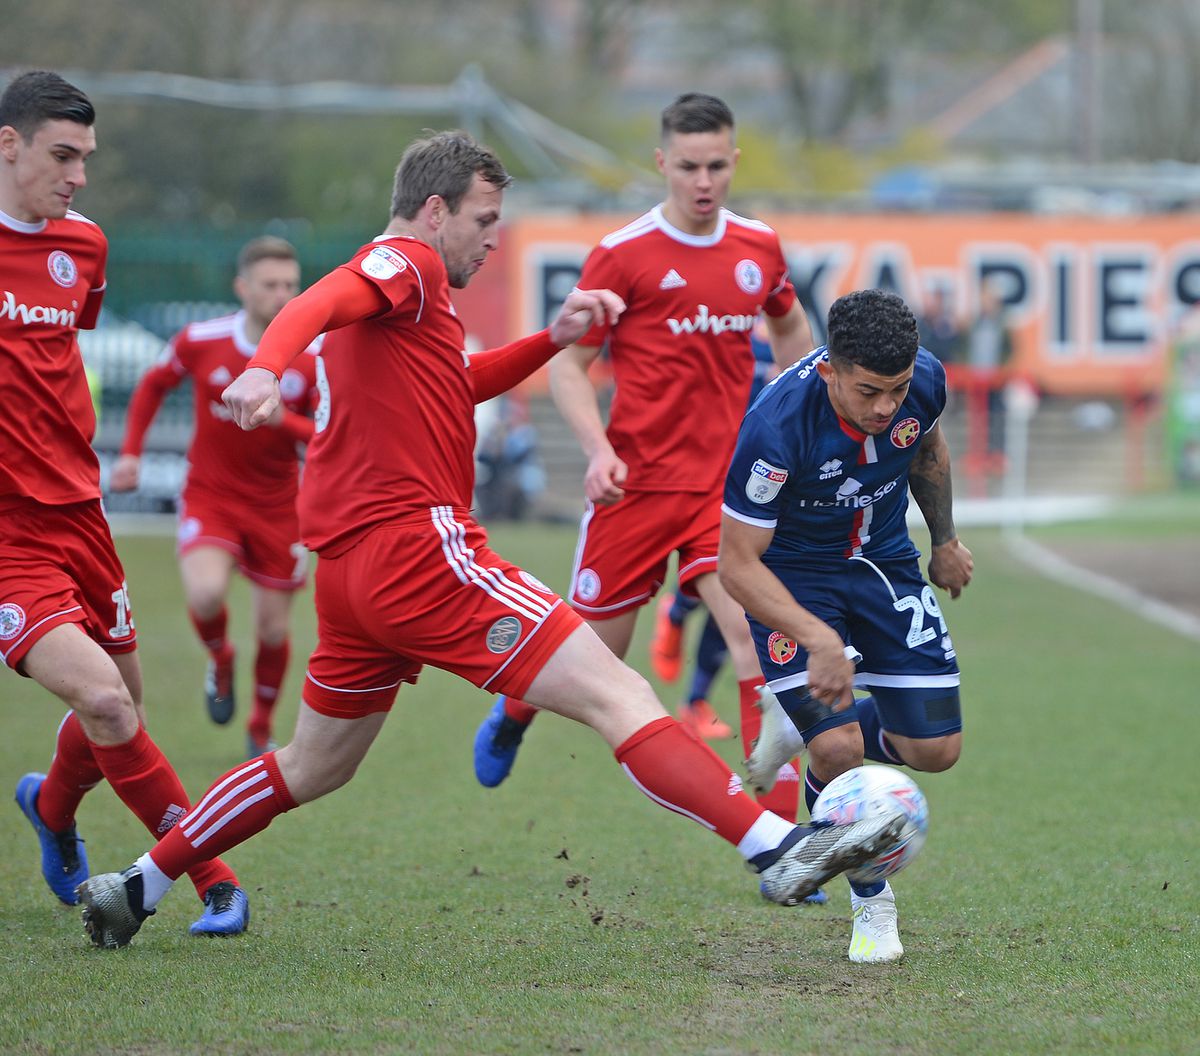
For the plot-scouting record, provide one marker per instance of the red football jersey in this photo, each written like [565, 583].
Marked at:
[51, 284]
[260, 467]
[395, 432]
[681, 353]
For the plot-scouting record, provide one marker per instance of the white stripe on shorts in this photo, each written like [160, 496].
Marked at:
[492, 581]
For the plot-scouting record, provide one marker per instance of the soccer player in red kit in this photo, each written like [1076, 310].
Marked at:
[65, 618]
[238, 507]
[385, 503]
[695, 277]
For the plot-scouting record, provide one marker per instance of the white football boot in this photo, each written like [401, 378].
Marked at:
[778, 742]
[876, 937]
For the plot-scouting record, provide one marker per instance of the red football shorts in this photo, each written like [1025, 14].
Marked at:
[621, 560]
[265, 540]
[427, 590]
[58, 565]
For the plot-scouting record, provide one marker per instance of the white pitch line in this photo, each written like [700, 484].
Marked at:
[1058, 568]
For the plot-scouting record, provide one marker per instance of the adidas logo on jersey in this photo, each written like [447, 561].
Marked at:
[672, 280]
[220, 376]
[832, 468]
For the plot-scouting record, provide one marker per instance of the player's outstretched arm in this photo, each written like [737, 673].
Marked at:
[791, 336]
[575, 397]
[338, 299]
[950, 563]
[497, 370]
[144, 403]
[761, 593]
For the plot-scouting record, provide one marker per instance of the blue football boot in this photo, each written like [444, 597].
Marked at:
[64, 861]
[226, 911]
[496, 744]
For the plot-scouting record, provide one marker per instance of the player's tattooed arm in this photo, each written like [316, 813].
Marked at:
[929, 482]
[950, 563]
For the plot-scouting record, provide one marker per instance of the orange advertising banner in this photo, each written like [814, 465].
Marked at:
[1092, 302]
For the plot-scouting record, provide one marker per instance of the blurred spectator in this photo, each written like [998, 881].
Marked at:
[939, 330]
[510, 475]
[989, 349]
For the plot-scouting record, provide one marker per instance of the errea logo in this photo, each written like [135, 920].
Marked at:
[832, 468]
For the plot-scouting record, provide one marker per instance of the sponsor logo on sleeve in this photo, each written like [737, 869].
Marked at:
[503, 634]
[764, 481]
[383, 263]
[12, 620]
[748, 275]
[781, 648]
[905, 433]
[62, 269]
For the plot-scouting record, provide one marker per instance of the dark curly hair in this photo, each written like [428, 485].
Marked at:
[872, 329]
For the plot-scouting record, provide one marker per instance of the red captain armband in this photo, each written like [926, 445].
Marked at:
[338, 299]
[497, 370]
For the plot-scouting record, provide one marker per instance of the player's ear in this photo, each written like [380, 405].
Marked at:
[825, 369]
[435, 210]
[9, 139]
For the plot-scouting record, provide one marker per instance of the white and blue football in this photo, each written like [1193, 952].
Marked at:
[869, 791]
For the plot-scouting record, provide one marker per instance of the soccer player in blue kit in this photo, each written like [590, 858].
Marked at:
[815, 547]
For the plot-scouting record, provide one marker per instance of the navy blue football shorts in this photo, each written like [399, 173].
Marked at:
[893, 626]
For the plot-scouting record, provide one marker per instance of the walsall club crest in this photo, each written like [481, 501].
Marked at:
[782, 648]
[905, 433]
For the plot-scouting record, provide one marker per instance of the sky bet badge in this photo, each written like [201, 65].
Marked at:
[765, 481]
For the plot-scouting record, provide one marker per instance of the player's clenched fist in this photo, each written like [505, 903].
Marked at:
[582, 310]
[252, 397]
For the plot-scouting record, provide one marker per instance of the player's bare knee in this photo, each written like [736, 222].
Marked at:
[835, 751]
[106, 711]
[932, 756]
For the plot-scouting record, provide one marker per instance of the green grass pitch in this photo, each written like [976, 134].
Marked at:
[1055, 907]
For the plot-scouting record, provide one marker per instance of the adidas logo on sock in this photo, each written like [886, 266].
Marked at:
[735, 785]
[171, 818]
[672, 280]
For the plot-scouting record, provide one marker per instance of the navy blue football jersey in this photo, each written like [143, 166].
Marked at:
[829, 490]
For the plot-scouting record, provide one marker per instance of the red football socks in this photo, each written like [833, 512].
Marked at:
[519, 711]
[212, 632]
[240, 804]
[72, 772]
[683, 774]
[146, 783]
[270, 667]
[784, 798]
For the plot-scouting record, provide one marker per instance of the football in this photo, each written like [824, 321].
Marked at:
[865, 792]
